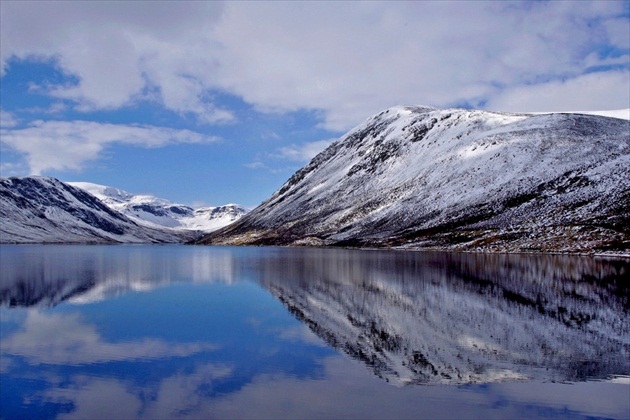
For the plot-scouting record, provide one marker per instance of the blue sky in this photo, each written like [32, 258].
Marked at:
[217, 102]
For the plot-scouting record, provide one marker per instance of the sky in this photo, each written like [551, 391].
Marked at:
[208, 103]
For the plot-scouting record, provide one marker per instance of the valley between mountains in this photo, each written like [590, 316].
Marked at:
[410, 177]
[46, 210]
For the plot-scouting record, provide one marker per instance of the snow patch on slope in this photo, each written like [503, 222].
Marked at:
[623, 114]
[153, 211]
[46, 210]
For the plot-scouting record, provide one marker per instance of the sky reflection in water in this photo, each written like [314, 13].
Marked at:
[174, 331]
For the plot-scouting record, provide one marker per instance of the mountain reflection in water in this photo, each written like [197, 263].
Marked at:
[463, 318]
[413, 318]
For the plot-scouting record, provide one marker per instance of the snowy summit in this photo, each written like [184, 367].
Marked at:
[45, 210]
[457, 179]
[39, 209]
[158, 212]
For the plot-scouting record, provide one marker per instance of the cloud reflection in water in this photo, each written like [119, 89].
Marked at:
[202, 339]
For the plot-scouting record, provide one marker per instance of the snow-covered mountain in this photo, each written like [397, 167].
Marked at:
[158, 212]
[46, 210]
[457, 179]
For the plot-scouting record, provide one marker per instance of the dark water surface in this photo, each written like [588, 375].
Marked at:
[222, 332]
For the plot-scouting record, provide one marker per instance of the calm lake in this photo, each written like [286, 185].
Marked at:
[229, 332]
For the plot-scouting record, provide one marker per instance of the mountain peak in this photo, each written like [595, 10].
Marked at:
[40, 209]
[43, 209]
[456, 179]
[158, 212]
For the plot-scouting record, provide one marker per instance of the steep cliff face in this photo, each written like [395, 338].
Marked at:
[457, 179]
[45, 210]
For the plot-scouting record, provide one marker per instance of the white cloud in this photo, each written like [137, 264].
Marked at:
[8, 169]
[299, 153]
[352, 60]
[348, 59]
[304, 152]
[255, 165]
[113, 47]
[618, 31]
[68, 145]
[594, 91]
[7, 119]
[57, 108]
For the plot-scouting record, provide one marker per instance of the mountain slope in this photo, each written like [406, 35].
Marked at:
[41, 209]
[157, 212]
[456, 179]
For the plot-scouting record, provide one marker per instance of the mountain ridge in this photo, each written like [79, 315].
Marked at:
[426, 178]
[38, 209]
[158, 212]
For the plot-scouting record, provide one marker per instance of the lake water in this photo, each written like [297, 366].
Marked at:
[223, 332]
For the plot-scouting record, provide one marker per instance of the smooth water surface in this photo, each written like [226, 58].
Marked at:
[222, 332]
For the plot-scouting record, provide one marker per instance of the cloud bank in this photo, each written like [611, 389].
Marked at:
[68, 145]
[346, 59]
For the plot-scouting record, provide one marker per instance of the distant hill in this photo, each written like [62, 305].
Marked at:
[420, 177]
[46, 210]
[158, 212]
